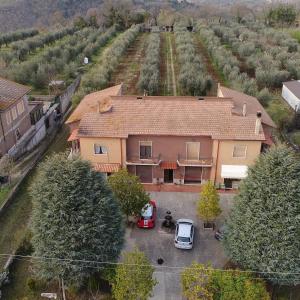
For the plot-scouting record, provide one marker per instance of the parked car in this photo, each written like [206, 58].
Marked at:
[184, 234]
[148, 215]
[219, 234]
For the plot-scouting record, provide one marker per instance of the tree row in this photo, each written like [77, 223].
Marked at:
[149, 80]
[229, 65]
[63, 59]
[100, 76]
[269, 56]
[13, 36]
[193, 77]
[22, 48]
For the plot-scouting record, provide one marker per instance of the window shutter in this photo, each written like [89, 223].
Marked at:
[193, 150]
[239, 151]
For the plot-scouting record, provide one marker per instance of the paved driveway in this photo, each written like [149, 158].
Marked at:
[156, 243]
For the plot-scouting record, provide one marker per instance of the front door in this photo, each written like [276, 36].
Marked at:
[168, 176]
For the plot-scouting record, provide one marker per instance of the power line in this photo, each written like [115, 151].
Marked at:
[173, 272]
[137, 265]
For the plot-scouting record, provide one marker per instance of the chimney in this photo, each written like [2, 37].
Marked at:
[258, 122]
[219, 93]
[244, 109]
[104, 106]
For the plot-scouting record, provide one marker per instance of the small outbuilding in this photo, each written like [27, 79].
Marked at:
[291, 94]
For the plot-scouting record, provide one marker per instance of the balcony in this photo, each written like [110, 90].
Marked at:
[136, 160]
[201, 162]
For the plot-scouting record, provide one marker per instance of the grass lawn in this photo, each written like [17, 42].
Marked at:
[14, 223]
[3, 193]
[294, 33]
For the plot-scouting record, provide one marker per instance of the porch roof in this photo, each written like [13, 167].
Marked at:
[107, 168]
[170, 165]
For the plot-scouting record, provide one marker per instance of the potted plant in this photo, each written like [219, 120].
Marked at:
[208, 207]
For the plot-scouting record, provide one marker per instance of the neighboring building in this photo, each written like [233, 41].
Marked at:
[180, 140]
[291, 94]
[14, 114]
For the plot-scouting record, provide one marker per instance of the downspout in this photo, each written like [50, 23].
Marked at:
[121, 153]
[216, 170]
[2, 129]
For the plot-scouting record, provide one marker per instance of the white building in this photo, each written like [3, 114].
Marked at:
[291, 94]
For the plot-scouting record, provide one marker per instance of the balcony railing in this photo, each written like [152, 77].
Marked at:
[136, 160]
[201, 162]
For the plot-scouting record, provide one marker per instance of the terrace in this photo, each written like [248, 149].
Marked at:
[201, 162]
[137, 160]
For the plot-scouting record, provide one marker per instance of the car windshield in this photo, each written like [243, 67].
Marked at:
[147, 212]
[183, 239]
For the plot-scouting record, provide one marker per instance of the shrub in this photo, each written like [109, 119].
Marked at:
[264, 97]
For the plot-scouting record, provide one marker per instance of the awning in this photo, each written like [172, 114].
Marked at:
[107, 168]
[73, 136]
[169, 165]
[234, 171]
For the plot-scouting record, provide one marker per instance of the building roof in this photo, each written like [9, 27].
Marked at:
[294, 87]
[167, 117]
[90, 102]
[10, 92]
[252, 104]
[73, 136]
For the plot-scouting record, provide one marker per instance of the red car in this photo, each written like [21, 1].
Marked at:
[148, 215]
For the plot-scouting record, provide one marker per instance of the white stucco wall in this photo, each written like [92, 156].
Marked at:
[290, 98]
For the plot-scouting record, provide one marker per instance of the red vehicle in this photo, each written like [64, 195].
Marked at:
[148, 215]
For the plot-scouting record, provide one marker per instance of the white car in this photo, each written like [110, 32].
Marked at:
[184, 234]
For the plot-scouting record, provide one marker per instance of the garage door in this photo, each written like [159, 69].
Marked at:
[192, 174]
[145, 173]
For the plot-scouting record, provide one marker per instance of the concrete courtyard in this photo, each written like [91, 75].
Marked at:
[156, 243]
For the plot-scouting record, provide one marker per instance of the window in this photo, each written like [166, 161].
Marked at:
[8, 117]
[145, 150]
[239, 151]
[14, 113]
[20, 107]
[18, 134]
[100, 149]
[192, 150]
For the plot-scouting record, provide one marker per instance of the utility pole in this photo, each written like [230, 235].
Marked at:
[63, 289]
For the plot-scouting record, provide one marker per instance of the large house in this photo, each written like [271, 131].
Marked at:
[291, 94]
[177, 140]
[14, 114]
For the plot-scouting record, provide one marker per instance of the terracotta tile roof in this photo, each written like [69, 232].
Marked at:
[161, 98]
[10, 92]
[253, 105]
[73, 136]
[90, 102]
[169, 165]
[107, 168]
[167, 117]
[294, 87]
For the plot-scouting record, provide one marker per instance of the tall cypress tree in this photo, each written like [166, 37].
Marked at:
[75, 217]
[263, 231]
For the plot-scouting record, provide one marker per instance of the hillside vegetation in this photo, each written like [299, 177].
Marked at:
[26, 13]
